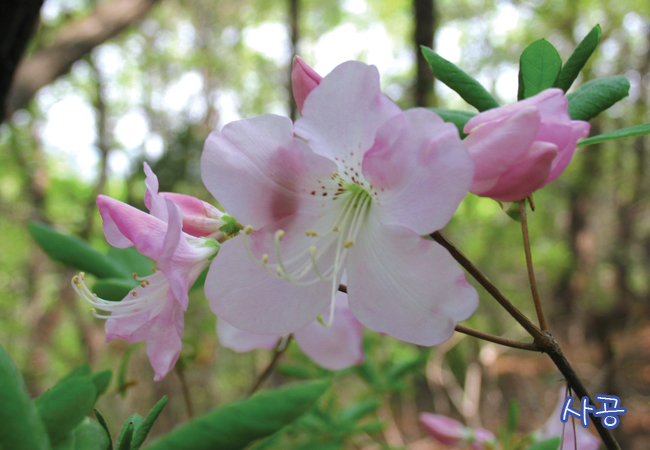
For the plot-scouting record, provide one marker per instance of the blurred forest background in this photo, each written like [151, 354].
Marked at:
[106, 85]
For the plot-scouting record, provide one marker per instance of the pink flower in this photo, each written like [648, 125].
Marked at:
[453, 433]
[153, 311]
[352, 186]
[303, 80]
[333, 347]
[554, 427]
[522, 147]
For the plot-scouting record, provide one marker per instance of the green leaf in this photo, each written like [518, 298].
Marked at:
[467, 87]
[64, 406]
[579, 58]
[357, 411]
[458, 118]
[513, 416]
[131, 261]
[623, 133]
[122, 383]
[513, 211]
[539, 67]
[114, 289]
[83, 370]
[147, 423]
[548, 444]
[104, 425]
[101, 380]
[89, 435]
[238, 424]
[596, 96]
[124, 442]
[74, 252]
[20, 426]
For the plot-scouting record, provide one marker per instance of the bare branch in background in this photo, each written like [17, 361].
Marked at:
[73, 42]
[424, 15]
[18, 19]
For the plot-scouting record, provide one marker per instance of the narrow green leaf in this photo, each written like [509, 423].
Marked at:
[357, 411]
[20, 426]
[579, 58]
[64, 406]
[539, 67]
[131, 260]
[101, 380]
[513, 212]
[467, 87]
[122, 383]
[596, 96]
[104, 425]
[238, 424]
[89, 435]
[147, 423]
[513, 416]
[74, 252]
[124, 443]
[458, 118]
[623, 133]
[402, 368]
[548, 444]
[83, 370]
[114, 289]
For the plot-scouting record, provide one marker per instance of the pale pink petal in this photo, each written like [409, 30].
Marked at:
[343, 113]
[496, 146]
[152, 200]
[525, 176]
[337, 346]
[419, 170]
[444, 429]
[407, 286]
[261, 174]
[200, 219]
[303, 80]
[554, 427]
[244, 341]
[579, 129]
[125, 226]
[245, 295]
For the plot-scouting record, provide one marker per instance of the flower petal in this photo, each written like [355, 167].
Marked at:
[496, 146]
[152, 200]
[125, 226]
[579, 129]
[244, 341]
[200, 219]
[337, 346]
[245, 295]
[261, 174]
[407, 286]
[525, 176]
[303, 80]
[343, 113]
[419, 169]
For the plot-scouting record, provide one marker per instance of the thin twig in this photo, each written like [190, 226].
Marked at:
[529, 266]
[488, 286]
[543, 341]
[277, 352]
[497, 339]
[186, 391]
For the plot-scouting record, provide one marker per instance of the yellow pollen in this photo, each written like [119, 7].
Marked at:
[248, 229]
[147, 281]
[134, 275]
[154, 270]
[336, 229]
[143, 284]
[75, 280]
[265, 258]
[133, 293]
[348, 243]
[311, 233]
[279, 234]
[82, 275]
[279, 271]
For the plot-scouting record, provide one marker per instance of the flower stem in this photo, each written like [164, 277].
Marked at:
[277, 352]
[529, 265]
[543, 341]
[186, 392]
[497, 339]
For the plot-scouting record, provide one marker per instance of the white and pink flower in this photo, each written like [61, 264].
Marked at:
[153, 311]
[352, 186]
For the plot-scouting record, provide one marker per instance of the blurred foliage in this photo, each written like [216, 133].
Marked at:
[156, 91]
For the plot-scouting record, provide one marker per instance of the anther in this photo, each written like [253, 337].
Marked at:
[335, 229]
[147, 281]
[279, 235]
[349, 243]
[143, 284]
[265, 258]
[133, 293]
[248, 229]
[134, 275]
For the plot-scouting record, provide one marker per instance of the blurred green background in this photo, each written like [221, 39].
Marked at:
[153, 87]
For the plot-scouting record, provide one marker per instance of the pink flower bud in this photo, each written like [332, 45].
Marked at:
[445, 429]
[303, 80]
[522, 147]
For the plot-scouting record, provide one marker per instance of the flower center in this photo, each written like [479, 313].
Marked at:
[308, 266]
[150, 293]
